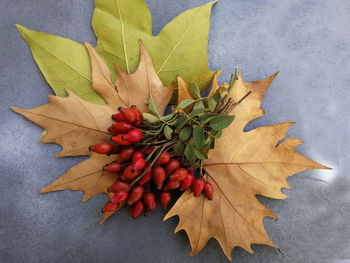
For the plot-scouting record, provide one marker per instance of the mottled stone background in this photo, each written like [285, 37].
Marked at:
[307, 41]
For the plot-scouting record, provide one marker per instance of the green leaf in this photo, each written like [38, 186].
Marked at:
[167, 132]
[152, 106]
[206, 118]
[185, 103]
[181, 121]
[179, 147]
[185, 133]
[199, 105]
[189, 153]
[198, 136]
[194, 91]
[218, 134]
[150, 118]
[207, 142]
[198, 112]
[221, 122]
[168, 117]
[211, 104]
[216, 96]
[200, 154]
[119, 24]
[212, 143]
[64, 63]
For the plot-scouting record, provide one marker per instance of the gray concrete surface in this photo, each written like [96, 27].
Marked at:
[308, 41]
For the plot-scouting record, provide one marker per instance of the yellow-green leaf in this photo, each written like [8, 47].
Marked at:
[180, 48]
[64, 63]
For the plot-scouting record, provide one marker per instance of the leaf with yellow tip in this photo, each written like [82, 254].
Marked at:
[183, 90]
[215, 85]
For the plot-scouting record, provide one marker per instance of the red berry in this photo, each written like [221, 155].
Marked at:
[130, 173]
[139, 116]
[116, 148]
[136, 209]
[118, 117]
[179, 174]
[164, 198]
[137, 155]
[172, 166]
[134, 135]
[101, 148]
[135, 194]
[139, 164]
[147, 176]
[125, 154]
[119, 185]
[149, 150]
[163, 158]
[113, 131]
[150, 201]
[109, 207]
[154, 205]
[209, 190]
[119, 196]
[121, 140]
[171, 185]
[128, 114]
[158, 175]
[198, 186]
[187, 182]
[112, 167]
[121, 127]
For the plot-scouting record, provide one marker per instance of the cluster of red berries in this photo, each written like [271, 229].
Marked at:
[144, 166]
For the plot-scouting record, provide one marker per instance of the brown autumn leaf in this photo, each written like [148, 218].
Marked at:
[148, 83]
[86, 176]
[242, 165]
[75, 124]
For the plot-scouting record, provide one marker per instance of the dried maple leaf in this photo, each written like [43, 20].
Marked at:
[242, 165]
[146, 77]
[75, 124]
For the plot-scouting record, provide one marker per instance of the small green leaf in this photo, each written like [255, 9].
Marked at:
[207, 142]
[208, 117]
[152, 106]
[194, 91]
[168, 117]
[216, 96]
[185, 133]
[181, 121]
[199, 105]
[179, 148]
[189, 153]
[198, 136]
[200, 154]
[218, 134]
[150, 118]
[212, 144]
[185, 103]
[211, 104]
[198, 112]
[221, 122]
[167, 132]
